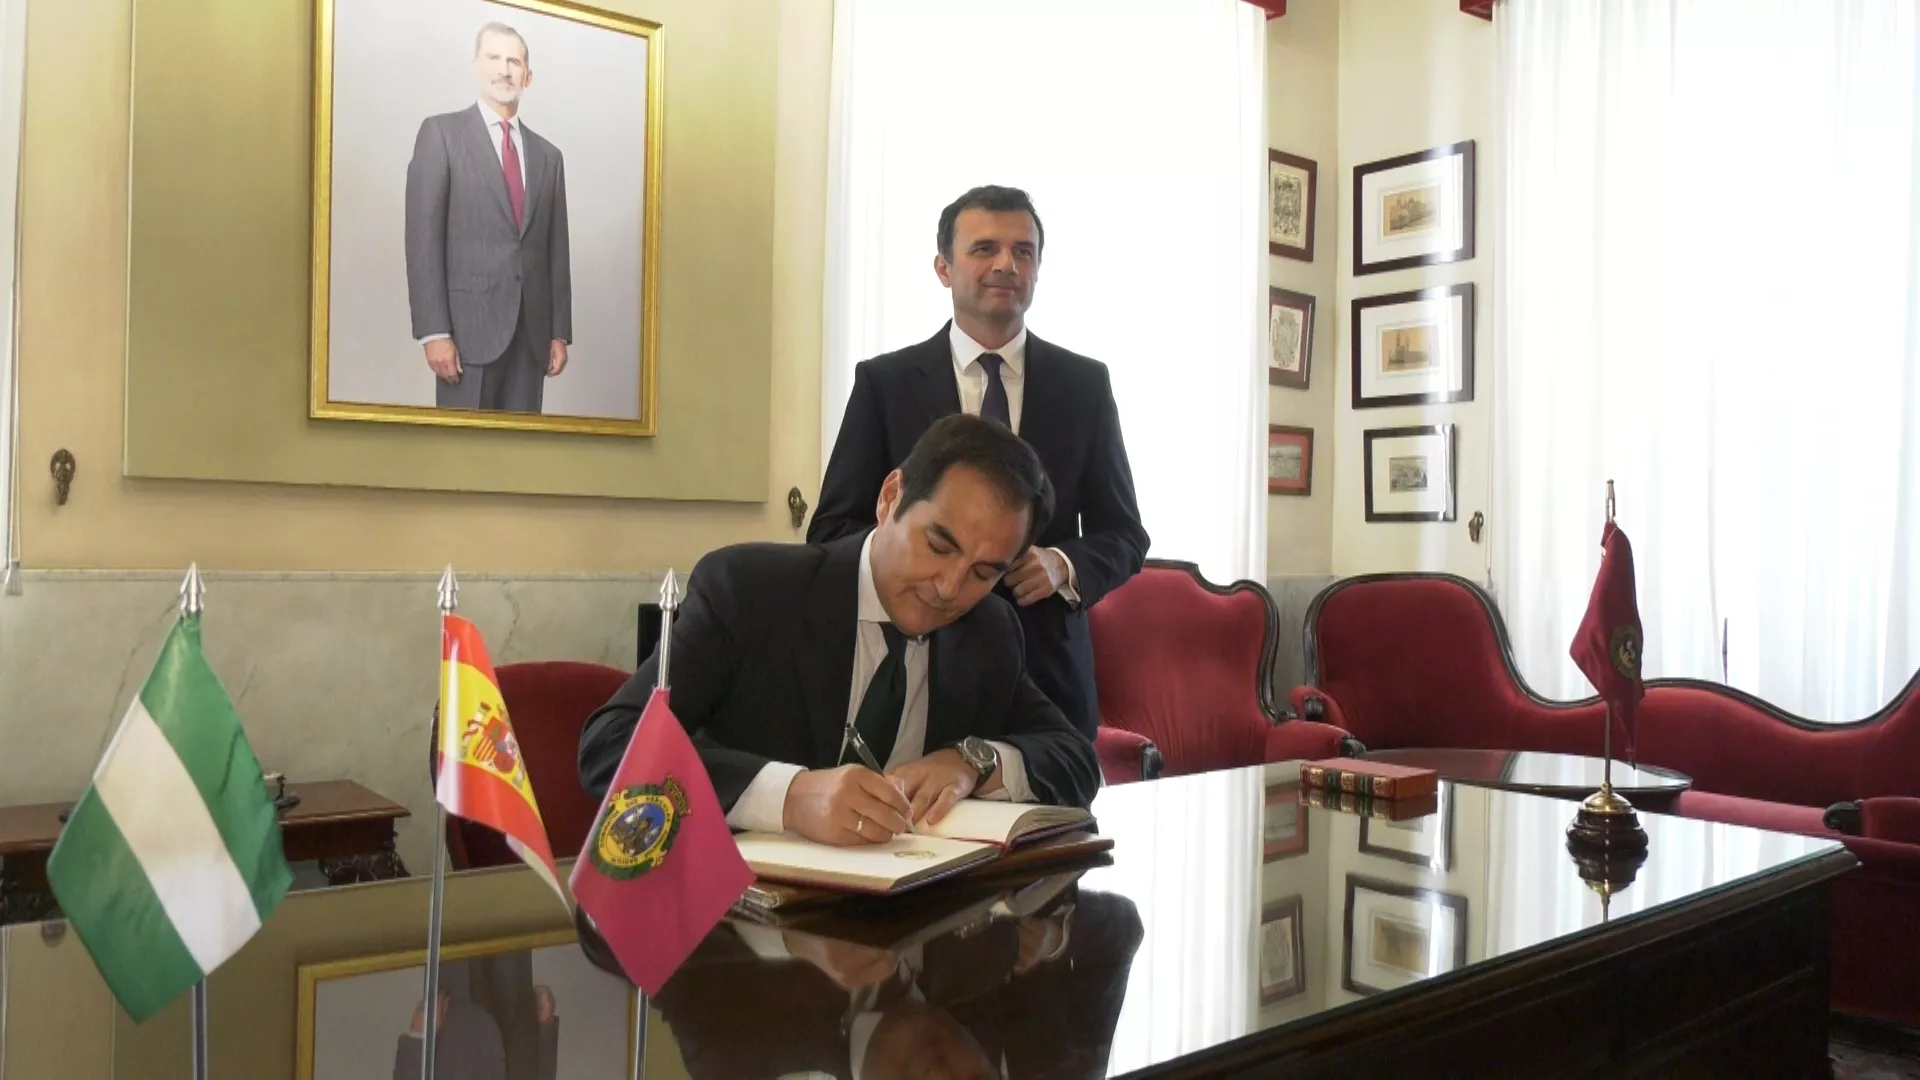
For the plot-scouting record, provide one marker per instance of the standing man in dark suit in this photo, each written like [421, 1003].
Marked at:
[843, 690]
[985, 363]
[488, 278]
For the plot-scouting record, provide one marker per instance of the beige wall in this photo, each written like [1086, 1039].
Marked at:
[1414, 74]
[1303, 92]
[72, 358]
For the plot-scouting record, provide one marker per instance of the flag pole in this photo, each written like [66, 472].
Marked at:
[1606, 827]
[430, 1006]
[193, 600]
[669, 603]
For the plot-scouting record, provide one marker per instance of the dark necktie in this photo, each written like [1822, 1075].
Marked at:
[878, 719]
[994, 405]
[510, 165]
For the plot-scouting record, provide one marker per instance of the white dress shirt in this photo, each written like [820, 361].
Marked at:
[971, 375]
[762, 807]
[490, 124]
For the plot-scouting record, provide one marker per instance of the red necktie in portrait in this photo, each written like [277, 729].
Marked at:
[510, 164]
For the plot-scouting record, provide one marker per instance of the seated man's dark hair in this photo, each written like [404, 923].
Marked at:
[987, 447]
[987, 197]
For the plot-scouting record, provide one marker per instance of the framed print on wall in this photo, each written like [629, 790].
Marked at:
[1289, 338]
[1399, 934]
[1413, 348]
[485, 243]
[1292, 197]
[1409, 473]
[1289, 460]
[1283, 960]
[1413, 210]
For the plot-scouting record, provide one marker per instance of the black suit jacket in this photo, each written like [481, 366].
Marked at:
[1068, 416]
[762, 671]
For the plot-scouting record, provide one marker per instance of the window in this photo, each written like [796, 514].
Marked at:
[1138, 127]
[1709, 292]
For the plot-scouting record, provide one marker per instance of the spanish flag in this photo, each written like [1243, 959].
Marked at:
[481, 775]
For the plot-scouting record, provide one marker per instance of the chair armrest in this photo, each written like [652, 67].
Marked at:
[1305, 740]
[1313, 703]
[1891, 817]
[1126, 756]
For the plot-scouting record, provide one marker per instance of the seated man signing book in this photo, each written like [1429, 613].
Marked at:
[804, 672]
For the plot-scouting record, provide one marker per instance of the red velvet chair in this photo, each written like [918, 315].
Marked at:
[549, 702]
[1408, 660]
[1184, 670]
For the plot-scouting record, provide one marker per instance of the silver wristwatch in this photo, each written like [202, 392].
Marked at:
[980, 754]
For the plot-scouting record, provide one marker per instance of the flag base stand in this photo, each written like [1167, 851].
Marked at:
[1607, 828]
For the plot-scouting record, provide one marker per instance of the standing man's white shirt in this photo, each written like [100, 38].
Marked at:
[762, 807]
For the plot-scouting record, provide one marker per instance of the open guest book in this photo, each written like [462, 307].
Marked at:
[975, 833]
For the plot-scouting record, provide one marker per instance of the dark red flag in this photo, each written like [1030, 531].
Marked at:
[1608, 644]
[659, 868]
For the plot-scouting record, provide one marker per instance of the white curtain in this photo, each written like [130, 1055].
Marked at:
[13, 60]
[1138, 127]
[1708, 290]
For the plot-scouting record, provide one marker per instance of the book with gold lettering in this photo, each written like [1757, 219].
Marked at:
[975, 833]
[1375, 778]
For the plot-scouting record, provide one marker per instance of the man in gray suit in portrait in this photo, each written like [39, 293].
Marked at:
[487, 274]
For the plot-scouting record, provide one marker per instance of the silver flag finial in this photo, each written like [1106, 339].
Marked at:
[449, 591]
[669, 603]
[193, 592]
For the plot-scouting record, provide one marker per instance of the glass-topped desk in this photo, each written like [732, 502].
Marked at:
[1231, 928]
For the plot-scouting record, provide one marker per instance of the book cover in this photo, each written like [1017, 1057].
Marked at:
[1374, 778]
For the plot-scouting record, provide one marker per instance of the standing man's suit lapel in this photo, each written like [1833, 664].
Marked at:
[1043, 395]
[483, 157]
[825, 656]
[936, 388]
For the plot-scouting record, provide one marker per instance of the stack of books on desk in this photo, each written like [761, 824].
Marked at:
[1373, 788]
[976, 839]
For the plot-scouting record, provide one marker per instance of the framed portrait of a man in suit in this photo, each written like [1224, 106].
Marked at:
[485, 215]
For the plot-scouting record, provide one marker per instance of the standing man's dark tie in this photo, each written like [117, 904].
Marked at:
[510, 165]
[878, 719]
[994, 405]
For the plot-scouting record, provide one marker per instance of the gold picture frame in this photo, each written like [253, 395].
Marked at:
[593, 407]
[312, 977]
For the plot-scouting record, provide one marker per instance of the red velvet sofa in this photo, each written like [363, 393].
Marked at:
[1423, 660]
[1184, 672]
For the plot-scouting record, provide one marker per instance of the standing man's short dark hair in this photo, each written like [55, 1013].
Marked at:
[986, 197]
[988, 245]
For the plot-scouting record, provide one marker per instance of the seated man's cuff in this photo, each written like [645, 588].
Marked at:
[1070, 592]
[763, 806]
[1013, 774]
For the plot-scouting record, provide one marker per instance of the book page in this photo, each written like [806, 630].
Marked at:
[999, 822]
[874, 866]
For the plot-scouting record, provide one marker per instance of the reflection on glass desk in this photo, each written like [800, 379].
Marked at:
[1231, 929]
[1234, 926]
[1565, 776]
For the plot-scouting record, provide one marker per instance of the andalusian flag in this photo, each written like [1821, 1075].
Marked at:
[171, 860]
[481, 775]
